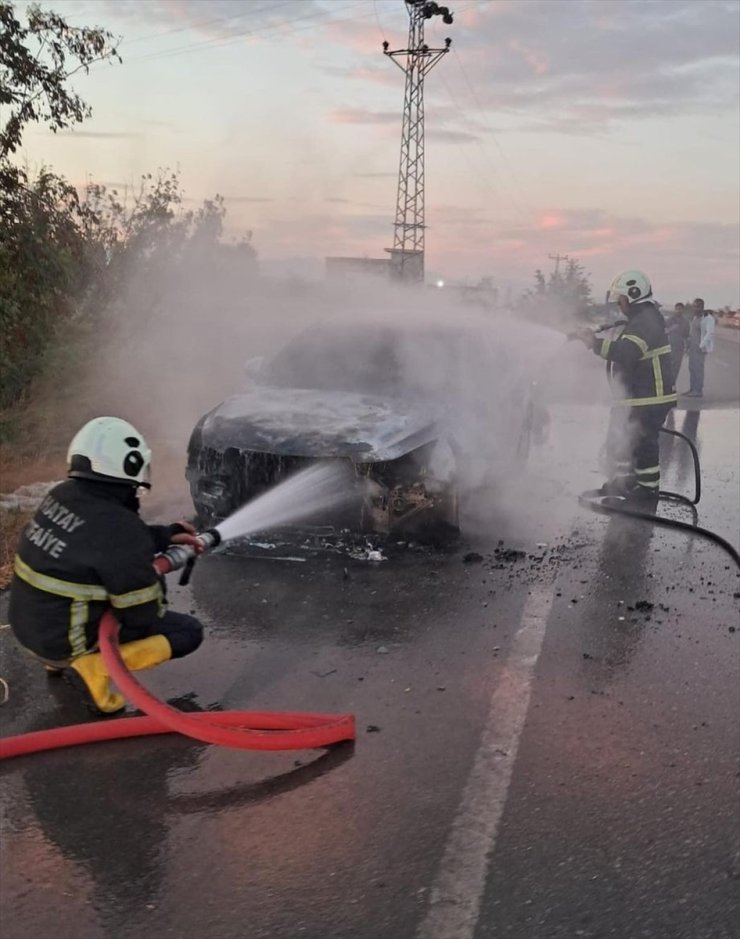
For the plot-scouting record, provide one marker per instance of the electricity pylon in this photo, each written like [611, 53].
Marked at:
[407, 253]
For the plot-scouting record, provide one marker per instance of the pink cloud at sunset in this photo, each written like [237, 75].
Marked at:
[605, 129]
[550, 221]
[356, 116]
[537, 61]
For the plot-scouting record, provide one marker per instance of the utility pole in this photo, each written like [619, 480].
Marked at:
[557, 258]
[407, 253]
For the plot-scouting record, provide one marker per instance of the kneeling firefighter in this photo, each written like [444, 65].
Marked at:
[87, 550]
[642, 367]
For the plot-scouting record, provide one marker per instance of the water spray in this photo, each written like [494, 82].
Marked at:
[318, 488]
[297, 497]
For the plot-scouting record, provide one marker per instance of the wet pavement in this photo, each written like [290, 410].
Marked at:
[547, 743]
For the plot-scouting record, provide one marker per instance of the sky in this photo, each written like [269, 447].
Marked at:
[605, 130]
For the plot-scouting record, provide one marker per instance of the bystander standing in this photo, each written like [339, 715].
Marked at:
[677, 329]
[701, 344]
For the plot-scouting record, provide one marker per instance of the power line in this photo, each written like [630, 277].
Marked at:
[221, 41]
[250, 11]
[493, 182]
[486, 125]
[489, 175]
[377, 19]
[472, 131]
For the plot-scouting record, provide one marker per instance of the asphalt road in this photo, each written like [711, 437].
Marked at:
[547, 743]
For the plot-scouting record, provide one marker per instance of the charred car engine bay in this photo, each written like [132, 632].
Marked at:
[398, 407]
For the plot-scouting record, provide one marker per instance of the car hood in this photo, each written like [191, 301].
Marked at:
[298, 422]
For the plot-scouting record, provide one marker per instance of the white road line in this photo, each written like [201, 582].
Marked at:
[455, 898]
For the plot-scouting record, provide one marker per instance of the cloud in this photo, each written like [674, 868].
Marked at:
[98, 134]
[213, 18]
[675, 255]
[441, 128]
[353, 32]
[580, 65]
[363, 116]
[377, 74]
[197, 24]
[328, 234]
[450, 136]
[237, 199]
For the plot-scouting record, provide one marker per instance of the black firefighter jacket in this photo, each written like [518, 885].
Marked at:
[85, 550]
[642, 359]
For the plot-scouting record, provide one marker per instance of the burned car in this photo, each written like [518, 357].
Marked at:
[415, 412]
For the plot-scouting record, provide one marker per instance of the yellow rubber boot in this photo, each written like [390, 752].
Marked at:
[146, 653]
[91, 669]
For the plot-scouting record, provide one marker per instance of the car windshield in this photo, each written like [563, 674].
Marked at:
[361, 360]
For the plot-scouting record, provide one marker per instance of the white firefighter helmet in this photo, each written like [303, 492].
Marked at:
[631, 284]
[111, 450]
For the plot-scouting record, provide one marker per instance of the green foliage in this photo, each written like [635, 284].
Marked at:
[44, 265]
[36, 61]
[569, 292]
[66, 259]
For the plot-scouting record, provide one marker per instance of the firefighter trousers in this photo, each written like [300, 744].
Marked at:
[633, 447]
[184, 633]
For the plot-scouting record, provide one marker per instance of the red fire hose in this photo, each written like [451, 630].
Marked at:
[246, 730]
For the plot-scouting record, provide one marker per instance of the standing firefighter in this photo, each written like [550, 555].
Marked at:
[643, 373]
[86, 551]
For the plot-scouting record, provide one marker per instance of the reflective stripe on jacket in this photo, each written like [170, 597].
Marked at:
[642, 359]
[85, 550]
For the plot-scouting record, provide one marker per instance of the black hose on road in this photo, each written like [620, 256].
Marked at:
[593, 499]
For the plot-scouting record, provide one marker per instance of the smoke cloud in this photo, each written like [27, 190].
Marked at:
[175, 344]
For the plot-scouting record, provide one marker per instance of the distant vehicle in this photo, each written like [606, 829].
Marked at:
[414, 411]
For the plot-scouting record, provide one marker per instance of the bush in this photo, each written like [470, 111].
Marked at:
[64, 260]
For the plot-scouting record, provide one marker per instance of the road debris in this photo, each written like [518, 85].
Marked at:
[509, 555]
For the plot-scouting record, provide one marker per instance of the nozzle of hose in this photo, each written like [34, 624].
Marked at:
[179, 556]
[210, 539]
